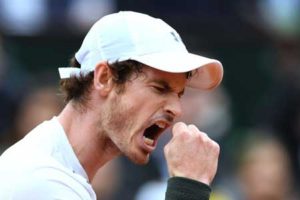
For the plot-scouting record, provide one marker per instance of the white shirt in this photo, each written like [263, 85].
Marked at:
[43, 166]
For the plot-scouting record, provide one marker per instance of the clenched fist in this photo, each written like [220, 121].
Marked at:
[192, 154]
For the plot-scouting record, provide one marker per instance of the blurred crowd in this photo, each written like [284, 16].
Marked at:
[254, 115]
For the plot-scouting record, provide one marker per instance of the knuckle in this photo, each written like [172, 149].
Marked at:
[166, 149]
[193, 127]
[216, 147]
[166, 153]
[180, 129]
[203, 137]
[203, 134]
[182, 134]
[185, 132]
[179, 126]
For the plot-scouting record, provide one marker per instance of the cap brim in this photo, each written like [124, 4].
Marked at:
[207, 73]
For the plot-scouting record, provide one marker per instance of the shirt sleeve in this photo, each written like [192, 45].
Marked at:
[180, 188]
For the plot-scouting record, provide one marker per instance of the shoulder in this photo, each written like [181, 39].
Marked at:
[43, 179]
[51, 182]
[39, 188]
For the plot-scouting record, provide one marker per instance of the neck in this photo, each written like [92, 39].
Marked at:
[91, 146]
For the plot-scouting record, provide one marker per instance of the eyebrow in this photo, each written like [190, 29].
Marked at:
[167, 86]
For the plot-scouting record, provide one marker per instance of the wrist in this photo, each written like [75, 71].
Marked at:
[182, 188]
[193, 176]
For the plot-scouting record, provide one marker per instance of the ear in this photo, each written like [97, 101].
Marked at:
[103, 78]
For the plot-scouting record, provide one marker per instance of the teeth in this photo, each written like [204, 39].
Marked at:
[148, 141]
[161, 124]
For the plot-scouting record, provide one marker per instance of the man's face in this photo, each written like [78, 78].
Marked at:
[136, 117]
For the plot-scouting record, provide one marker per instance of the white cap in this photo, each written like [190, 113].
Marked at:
[128, 35]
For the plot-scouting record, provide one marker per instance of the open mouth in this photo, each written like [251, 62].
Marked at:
[152, 133]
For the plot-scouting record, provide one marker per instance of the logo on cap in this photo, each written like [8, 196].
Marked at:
[175, 36]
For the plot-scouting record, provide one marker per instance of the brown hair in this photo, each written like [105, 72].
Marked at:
[77, 89]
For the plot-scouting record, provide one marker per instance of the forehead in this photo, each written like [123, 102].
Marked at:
[174, 80]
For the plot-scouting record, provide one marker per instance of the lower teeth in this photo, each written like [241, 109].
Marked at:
[148, 141]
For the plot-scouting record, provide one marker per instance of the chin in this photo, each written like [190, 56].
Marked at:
[141, 162]
[140, 159]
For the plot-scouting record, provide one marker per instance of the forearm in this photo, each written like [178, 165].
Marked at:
[180, 188]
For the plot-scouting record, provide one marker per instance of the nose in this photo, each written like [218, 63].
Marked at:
[173, 106]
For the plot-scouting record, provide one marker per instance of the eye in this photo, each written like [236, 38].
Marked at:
[180, 95]
[159, 89]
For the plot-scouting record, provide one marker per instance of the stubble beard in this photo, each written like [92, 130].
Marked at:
[118, 123]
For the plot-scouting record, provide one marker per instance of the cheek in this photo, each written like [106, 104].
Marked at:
[133, 108]
[125, 114]
[119, 116]
[145, 106]
[138, 101]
